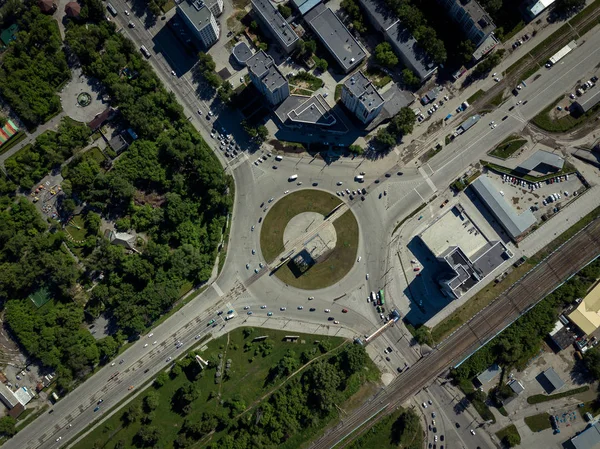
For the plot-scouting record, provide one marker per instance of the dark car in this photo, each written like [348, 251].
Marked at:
[387, 175]
[511, 108]
[330, 318]
[505, 117]
[457, 425]
[312, 309]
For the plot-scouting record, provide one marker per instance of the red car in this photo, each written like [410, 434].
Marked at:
[344, 310]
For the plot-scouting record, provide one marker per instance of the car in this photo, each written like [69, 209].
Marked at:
[247, 266]
[388, 359]
[389, 348]
[310, 298]
[269, 313]
[457, 425]
[336, 322]
[559, 108]
[146, 345]
[399, 369]
[435, 438]
[155, 342]
[126, 12]
[367, 276]
[283, 309]
[131, 25]
[130, 387]
[242, 79]
[424, 405]
[339, 183]
[173, 73]
[246, 307]
[330, 318]
[230, 311]
[97, 408]
[211, 322]
[327, 310]
[211, 113]
[256, 270]
[429, 401]
[169, 359]
[472, 432]
[300, 307]
[441, 437]
[344, 310]
[100, 401]
[249, 312]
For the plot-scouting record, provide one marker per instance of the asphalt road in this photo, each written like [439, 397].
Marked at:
[376, 218]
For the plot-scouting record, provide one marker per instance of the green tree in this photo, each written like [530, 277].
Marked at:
[8, 426]
[466, 49]
[133, 413]
[148, 436]
[410, 79]
[356, 149]
[161, 379]
[321, 64]
[568, 6]
[225, 92]
[511, 440]
[353, 359]
[407, 429]
[284, 10]
[323, 382]
[184, 396]
[385, 138]
[591, 360]
[384, 55]
[403, 122]
[151, 401]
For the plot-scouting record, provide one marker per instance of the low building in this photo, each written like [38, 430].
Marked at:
[542, 162]
[516, 386]
[267, 78]
[118, 143]
[587, 101]
[587, 314]
[123, 239]
[361, 97]
[488, 375]
[275, 24]
[23, 396]
[10, 34]
[241, 52]
[588, 439]
[550, 381]
[8, 397]
[514, 224]
[47, 6]
[201, 20]
[537, 7]
[73, 10]
[303, 6]
[100, 119]
[561, 337]
[311, 115]
[431, 95]
[334, 35]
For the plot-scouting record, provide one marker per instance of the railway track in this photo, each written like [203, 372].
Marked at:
[544, 278]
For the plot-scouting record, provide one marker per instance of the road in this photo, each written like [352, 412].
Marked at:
[258, 183]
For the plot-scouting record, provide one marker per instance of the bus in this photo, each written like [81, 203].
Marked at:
[111, 8]
[381, 297]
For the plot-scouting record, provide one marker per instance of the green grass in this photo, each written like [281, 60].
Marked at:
[564, 123]
[498, 99]
[247, 381]
[381, 435]
[274, 223]
[336, 263]
[508, 147]
[77, 234]
[518, 27]
[539, 422]
[306, 80]
[18, 137]
[96, 154]
[539, 398]
[378, 77]
[338, 92]
[475, 96]
[170, 4]
[509, 430]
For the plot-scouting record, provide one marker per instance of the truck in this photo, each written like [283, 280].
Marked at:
[561, 53]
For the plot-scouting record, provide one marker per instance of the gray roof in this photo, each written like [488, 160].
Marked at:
[404, 43]
[263, 66]
[589, 99]
[481, 18]
[489, 374]
[362, 88]
[588, 439]
[336, 37]
[242, 52]
[513, 223]
[196, 12]
[275, 21]
[312, 111]
[542, 157]
[516, 386]
[553, 378]
[380, 13]
[468, 123]
[7, 396]
[305, 5]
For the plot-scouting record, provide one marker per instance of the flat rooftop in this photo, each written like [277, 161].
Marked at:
[454, 229]
[405, 43]
[542, 157]
[313, 112]
[242, 52]
[336, 37]
[362, 88]
[380, 13]
[589, 99]
[196, 12]
[480, 17]
[275, 21]
[263, 66]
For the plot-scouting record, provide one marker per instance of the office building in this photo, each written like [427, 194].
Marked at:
[201, 20]
[267, 78]
[274, 23]
[360, 96]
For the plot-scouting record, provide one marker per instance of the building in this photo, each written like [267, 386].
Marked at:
[465, 254]
[272, 21]
[403, 43]
[123, 239]
[561, 336]
[488, 375]
[468, 123]
[8, 397]
[267, 78]
[431, 95]
[472, 19]
[241, 53]
[587, 314]
[335, 36]
[361, 97]
[550, 381]
[118, 143]
[47, 6]
[10, 34]
[200, 18]
[516, 386]
[311, 115]
[542, 162]
[23, 395]
[514, 224]
[587, 101]
[100, 119]
[537, 7]
[303, 6]
[73, 10]
[588, 439]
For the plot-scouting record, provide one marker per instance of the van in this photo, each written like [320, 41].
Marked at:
[278, 158]
[292, 178]
[145, 51]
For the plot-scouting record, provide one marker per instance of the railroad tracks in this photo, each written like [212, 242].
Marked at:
[548, 275]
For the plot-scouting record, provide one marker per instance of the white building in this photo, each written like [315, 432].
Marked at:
[200, 18]
[267, 78]
[362, 98]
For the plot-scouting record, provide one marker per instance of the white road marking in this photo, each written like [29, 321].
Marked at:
[427, 179]
[217, 289]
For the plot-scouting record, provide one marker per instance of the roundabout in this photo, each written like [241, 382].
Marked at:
[328, 244]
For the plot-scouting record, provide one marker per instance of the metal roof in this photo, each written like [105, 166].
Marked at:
[468, 123]
[542, 157]
[242, 52]
[588, 439]
[513, 223]
[516, 386]
[553, 378]
[589, 99]
[488, 374]
[196, 12]
[305, 5]
[539, 6]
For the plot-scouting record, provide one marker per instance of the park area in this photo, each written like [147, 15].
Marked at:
[263, 377]
[334, 262]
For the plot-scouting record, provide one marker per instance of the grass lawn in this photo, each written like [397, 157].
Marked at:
[271, 234]
[379, 436]
[475, 96]
[563, 124]
[378, 77]
[168, 6]
[76, 228]
[538, 422]
[539, 398]
[508, 147]
[18, 137]
[507, 431]
[335, 265]
[307, 81]
[497, 100]
[97, 154]
[338, 92]
[246, 382]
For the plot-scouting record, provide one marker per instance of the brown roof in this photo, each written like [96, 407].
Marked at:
[99, 120]
[16, 410]
[47, 6]
[72, 9]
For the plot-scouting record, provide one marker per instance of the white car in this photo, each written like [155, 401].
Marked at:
[253, 251]
[173, 73]
[126, 12]
[286, 192]
[246, 307]
[211, 113]
[242, 79]
[146, 345]
[435, 438]
[424, 405]
[336, 322]
[327, 310]
[200, 113]
[359, 257]
[339, 183]
[367, 276]
[282, 309]
[150, 335]
[264, 306]
[154, 342]
[472, 432]
[247, 266]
